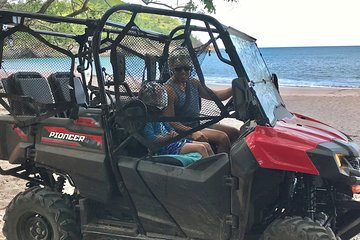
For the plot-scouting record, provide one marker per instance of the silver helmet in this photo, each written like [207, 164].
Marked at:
[154, 94]
[179, 57]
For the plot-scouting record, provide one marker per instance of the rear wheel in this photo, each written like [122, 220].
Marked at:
[297, 228]
[40, 214]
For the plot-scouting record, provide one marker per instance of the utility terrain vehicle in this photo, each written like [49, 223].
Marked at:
[74, 116]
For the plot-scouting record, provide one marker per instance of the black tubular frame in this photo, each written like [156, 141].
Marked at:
[135, 9]
[47, 18]
[211, 26]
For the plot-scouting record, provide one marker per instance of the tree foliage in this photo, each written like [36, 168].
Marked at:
[96, 8]
[86, 9]
[187, 5]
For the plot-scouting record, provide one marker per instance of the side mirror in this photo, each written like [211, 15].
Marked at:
[242, 99]
[275, 80]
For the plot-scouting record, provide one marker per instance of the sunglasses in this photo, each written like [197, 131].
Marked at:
[185, 68]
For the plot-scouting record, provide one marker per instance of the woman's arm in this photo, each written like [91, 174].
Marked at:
[222, 94]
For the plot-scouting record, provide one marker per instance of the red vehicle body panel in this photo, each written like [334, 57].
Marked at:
[285, 145]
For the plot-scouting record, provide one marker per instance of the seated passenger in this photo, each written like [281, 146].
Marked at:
[155, 97]
[184, 96]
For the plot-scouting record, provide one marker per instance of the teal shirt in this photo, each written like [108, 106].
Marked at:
[153, 130]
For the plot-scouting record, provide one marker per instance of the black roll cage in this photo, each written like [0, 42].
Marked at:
[131, 29]
[135, 9]
[90, 42]
[7, 16]
[95, 28]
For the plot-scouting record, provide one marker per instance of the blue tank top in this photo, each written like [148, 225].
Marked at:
[187, 106]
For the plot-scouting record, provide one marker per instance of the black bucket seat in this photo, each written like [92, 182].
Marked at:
[29, 84]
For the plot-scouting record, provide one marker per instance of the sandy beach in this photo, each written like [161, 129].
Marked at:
[338, 107]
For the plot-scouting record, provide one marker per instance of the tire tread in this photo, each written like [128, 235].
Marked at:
[57, 208]
[297, 228]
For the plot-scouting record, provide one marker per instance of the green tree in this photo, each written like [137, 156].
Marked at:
[81, 6]
[96, 8]
[87, 9]
[187, 5]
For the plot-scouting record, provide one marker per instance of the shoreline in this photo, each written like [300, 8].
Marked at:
[305, 90]
[224, 85]
[289, 86]
[320, 91]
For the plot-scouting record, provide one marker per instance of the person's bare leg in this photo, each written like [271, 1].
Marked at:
[194, 147]
[233, 133]
[220, 138]
[207, 146]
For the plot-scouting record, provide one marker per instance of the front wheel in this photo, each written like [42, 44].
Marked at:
[40, 214]
[297, 228]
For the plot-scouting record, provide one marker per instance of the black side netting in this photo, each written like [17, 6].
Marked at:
[27, 65]
[142, 60]
[140, 63]
[25, 53]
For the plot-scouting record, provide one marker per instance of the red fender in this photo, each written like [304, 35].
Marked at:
[285, 145]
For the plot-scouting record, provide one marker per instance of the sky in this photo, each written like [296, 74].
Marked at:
[290, 23]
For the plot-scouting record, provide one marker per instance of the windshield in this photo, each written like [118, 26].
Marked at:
[257, 72]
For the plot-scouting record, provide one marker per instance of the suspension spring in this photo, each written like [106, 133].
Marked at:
[311, 198]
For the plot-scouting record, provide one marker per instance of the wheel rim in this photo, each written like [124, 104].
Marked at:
[33, 226]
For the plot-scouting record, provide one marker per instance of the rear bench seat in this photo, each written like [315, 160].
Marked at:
[30, 84]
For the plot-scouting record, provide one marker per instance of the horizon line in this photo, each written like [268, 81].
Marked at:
[309, 46]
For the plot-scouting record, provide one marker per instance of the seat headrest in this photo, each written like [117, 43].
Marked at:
[60, 86]
[31, 84]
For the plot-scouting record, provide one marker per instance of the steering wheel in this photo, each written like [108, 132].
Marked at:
[132, 116]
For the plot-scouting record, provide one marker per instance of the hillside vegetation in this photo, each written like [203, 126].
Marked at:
[95, 10]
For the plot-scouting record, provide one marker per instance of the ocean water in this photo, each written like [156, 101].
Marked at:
[300, 66]
[294, 66]
[315, 66]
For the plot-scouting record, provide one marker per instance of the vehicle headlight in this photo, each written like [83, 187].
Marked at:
[338, 159]
[346, 161]
[349, 166]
